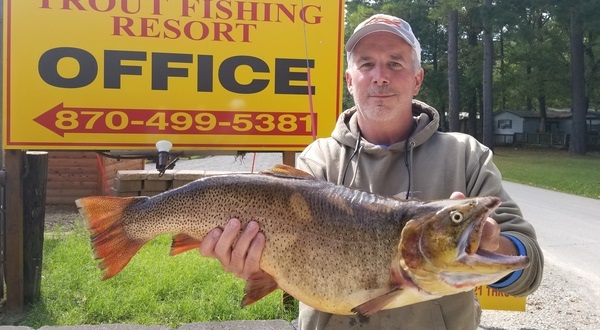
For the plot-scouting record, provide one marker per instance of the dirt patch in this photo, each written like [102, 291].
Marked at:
[61, 216]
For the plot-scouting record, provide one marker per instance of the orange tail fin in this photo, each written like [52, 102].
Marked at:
[104, 217]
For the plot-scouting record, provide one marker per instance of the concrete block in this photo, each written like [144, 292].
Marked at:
[132, 175]
[155, 176]
[150, 193]
[156, 185]
[189, 175]
[127, 185]
[211, 173]
[240, 325]
[179, 183]
[106, 327]
[116, 193]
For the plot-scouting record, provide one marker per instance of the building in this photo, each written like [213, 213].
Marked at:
[512, 126]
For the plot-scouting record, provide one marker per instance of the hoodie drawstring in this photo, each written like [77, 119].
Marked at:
[408, 159]
[357, 148]
[409, 146]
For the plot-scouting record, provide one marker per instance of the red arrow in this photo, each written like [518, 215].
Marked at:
[48, 119]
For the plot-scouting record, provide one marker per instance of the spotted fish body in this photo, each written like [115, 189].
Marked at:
[336, 249]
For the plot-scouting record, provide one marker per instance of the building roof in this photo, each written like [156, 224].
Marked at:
[550, 113]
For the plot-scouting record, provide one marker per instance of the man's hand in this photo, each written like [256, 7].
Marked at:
[491, 240]
[238, 255]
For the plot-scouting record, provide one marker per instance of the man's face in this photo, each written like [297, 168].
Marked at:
[381, 77]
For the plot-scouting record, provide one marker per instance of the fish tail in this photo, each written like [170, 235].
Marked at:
[111, 244]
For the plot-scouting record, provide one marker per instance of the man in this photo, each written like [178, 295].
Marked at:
[388, 144]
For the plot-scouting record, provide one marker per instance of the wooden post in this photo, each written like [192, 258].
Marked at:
[14, 231]
[2, 222]
[289, 158]
[34, 211]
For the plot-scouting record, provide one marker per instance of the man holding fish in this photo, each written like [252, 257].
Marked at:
[388, 144]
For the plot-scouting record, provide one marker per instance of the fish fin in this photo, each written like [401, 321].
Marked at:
[378, 303]
[111, 244]
[286, 171]
[258, 286]
[183, 242]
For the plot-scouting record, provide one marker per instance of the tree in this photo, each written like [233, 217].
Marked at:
[453, 98]
[488, 66]
[577, 143]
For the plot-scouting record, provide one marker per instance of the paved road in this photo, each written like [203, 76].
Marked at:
[568, 226]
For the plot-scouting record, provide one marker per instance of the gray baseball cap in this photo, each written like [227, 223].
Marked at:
[387, 23]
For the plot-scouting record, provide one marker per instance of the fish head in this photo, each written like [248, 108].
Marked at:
[440, 249]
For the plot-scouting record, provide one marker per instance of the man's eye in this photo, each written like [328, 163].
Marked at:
[366, 65]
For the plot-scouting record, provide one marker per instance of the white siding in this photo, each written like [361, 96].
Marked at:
[516, 121]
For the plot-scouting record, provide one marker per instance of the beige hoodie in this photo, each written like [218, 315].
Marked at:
[429, 165]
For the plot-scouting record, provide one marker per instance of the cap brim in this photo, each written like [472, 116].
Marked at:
[363, 32]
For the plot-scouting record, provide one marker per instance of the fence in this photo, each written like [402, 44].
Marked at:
[547, 139]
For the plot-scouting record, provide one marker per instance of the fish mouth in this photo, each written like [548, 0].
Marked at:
[477, 258]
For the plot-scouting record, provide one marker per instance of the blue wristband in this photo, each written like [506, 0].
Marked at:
[514, 276]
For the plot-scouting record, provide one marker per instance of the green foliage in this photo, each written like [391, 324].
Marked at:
[154, 289]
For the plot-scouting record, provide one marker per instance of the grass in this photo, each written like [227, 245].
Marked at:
[551, 169]
[154, 289]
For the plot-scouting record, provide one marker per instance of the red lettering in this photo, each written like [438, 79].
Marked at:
[252, 10]
[267, 12]
[74, 2]
[122, 24]
[222, 29]
[186, 7]
[148, 26]
[282, 9]
[125, 7]
[110, 6]
[207, 8]
[172, 25]
[224, 10]
[316, 19]
[103, 6]
[187, 30]
[246, 31]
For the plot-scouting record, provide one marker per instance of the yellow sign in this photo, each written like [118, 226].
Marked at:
[493, 299]
[204, 74]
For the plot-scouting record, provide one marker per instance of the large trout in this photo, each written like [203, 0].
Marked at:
[336, 249]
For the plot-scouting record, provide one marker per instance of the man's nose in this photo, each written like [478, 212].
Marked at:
[380, 75]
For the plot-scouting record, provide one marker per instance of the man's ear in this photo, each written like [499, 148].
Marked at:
[349, 84]
[418, 81]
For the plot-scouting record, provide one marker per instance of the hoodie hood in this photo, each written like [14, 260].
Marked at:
[427, 120]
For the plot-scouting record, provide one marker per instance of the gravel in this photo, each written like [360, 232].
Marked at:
[566, 298]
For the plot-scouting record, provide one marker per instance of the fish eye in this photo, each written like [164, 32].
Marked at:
[456, 217]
